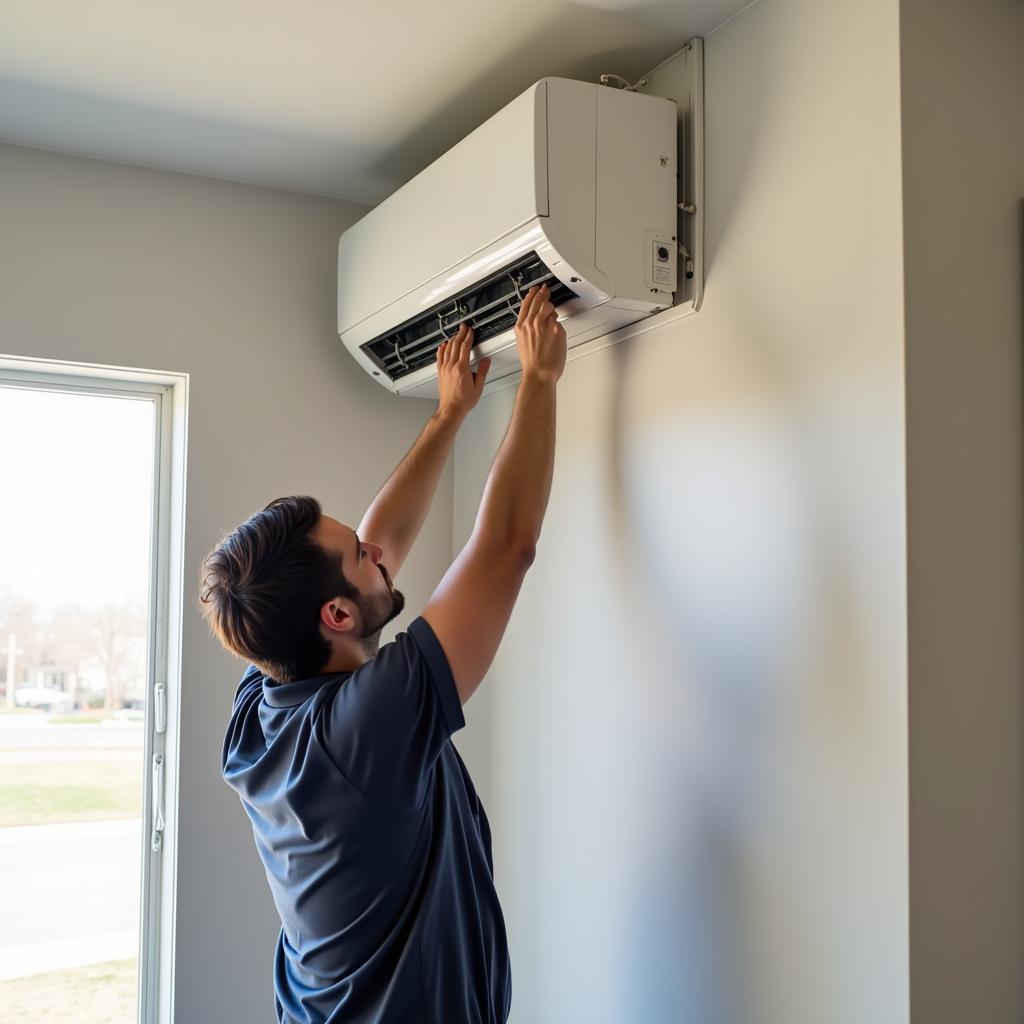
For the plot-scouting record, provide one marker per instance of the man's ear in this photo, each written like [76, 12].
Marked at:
[336, 615]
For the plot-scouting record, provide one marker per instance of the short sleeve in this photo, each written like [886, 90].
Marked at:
[249, 692]
[252, 682]
[386, 724]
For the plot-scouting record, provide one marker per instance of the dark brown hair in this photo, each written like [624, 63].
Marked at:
[261, 590]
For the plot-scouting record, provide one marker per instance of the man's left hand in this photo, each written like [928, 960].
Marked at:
[460, 388]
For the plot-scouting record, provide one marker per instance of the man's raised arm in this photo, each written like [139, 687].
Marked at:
[471, 606]
[397, 514]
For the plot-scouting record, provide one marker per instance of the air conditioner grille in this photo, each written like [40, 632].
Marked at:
[490, 307]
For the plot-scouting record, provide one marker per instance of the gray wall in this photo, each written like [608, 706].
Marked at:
[234, 285]
[963, 180]
[697, 770]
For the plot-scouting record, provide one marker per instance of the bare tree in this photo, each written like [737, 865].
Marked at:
[112, 635]
[117, 637]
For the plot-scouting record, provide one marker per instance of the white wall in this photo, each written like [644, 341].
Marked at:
[697, 767]
[234, 285]
[963, 181]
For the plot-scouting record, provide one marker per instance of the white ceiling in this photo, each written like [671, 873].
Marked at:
[343, 98]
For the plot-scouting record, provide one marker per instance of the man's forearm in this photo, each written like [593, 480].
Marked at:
[516, 495]
[399, 510]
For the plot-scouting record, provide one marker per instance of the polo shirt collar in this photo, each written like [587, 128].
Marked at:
[291, 695]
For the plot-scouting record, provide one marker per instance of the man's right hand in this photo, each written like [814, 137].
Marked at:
[540, 338]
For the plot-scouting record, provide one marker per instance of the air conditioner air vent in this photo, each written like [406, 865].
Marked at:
[490, 307]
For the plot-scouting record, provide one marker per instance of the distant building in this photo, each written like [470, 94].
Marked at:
[50, 677]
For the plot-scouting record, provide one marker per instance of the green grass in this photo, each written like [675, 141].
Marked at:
[98, 994]
[42, 794]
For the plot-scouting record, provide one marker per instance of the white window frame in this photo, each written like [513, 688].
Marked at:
[169, 394]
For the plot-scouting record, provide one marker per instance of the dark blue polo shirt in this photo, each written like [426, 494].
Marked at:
[376, 846]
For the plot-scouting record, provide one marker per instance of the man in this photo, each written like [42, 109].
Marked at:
[376, 846]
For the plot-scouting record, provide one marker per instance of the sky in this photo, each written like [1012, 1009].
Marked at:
[75, 483]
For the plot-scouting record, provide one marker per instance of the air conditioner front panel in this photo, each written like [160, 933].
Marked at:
[574, 296]
[423, 228]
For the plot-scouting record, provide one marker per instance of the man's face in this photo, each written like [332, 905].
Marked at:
[378, 601]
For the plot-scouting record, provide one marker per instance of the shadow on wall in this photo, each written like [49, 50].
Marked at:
[729, 568]
[687, 937]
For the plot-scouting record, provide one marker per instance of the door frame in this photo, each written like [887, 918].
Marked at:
[169, 394]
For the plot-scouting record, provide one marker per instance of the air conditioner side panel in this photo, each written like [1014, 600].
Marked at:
[636, 194]
[492, 181]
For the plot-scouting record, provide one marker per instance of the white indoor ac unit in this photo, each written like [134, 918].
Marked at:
[572, 184]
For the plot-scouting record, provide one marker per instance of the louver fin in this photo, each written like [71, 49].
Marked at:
[490, 307]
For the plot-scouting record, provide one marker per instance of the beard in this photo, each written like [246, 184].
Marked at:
[377, 611]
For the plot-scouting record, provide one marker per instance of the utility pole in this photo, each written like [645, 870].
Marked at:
[12, 650]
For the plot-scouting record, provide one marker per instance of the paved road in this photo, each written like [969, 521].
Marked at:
[69, 895]
[27, 731]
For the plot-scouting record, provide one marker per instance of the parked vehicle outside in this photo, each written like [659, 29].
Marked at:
[43, 697]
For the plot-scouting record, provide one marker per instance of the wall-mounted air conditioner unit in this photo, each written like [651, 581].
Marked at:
[572, 184]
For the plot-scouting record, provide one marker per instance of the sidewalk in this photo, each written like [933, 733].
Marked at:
[70, 895]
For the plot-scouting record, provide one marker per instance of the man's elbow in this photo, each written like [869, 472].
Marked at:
[517, 551]
[527, 554]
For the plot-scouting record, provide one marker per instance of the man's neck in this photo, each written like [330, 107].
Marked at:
[349, 658]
